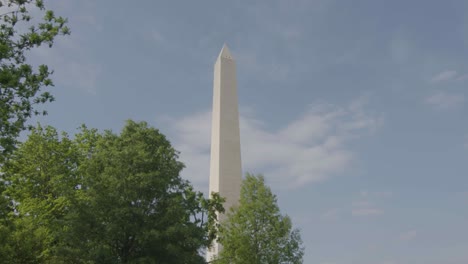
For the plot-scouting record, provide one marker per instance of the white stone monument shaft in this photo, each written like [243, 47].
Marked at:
[225, 164]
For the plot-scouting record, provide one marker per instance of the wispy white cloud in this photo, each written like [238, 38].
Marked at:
[192, 138]
[311, 148]
[444, 76]
[449, 75]
[366, 203]
[444, 100]
[408, 235]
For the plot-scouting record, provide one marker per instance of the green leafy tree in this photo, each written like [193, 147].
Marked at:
[20, 82]
[41, 177]
[256, 232]
[101, 198]
[133, 205]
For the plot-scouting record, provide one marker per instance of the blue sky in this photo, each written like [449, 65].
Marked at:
[355, 111]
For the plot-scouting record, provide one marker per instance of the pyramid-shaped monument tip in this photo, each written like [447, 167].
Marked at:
[225, 53]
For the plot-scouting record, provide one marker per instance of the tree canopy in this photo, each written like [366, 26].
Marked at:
[102, 198]
[255, 231]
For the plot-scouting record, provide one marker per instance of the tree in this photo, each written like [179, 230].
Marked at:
[41, 177]
[101, 198]
[256, 232]
[20, 82]
[133, 206]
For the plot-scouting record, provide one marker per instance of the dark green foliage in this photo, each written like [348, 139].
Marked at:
[20, 82]
[136, 206]
[256, 232]
[102, 198]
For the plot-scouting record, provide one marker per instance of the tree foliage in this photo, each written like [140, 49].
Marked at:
[40, 176]
[20, 82]
[256, 232]
[137, 207]
[102, 198]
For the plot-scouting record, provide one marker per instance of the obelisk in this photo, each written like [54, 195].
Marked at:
[225, 164]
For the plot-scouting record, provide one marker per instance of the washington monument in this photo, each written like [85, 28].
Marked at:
[225, 164]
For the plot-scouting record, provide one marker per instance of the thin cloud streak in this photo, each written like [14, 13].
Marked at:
[444, 100]
[444, 76]
[365, 205]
